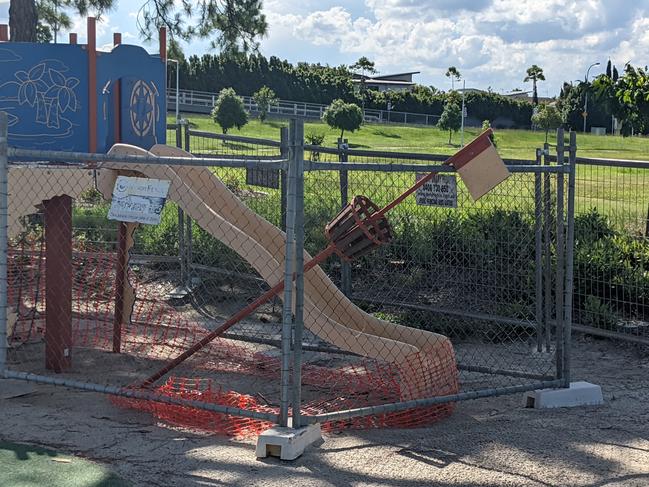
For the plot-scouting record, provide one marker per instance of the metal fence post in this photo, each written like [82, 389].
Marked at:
[187, 233]
[4, 175]
[547, 251]
[538, 255]
[345, 267]
[570, 240]
[283, 150]
[287, 311]
[560, 275]
[298, 158]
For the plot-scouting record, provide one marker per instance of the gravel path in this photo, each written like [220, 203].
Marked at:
[493, 442]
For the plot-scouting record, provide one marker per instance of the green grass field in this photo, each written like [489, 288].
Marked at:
[618, 193]
[511, 143]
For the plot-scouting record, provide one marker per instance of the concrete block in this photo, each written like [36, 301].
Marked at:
[287, 443]
[579, 394]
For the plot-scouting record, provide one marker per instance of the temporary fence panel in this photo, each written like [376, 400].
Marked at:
[467, 300]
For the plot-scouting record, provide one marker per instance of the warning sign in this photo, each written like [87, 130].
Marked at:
[139, 200]
[441, 190]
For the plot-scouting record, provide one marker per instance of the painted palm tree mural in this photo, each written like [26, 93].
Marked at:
[41, 98]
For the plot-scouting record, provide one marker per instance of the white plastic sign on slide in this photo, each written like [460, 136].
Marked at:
[138, 200]
[441, 190]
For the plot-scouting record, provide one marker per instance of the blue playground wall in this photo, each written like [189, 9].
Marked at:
[44, 90]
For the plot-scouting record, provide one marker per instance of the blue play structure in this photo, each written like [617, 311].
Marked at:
[71, 97]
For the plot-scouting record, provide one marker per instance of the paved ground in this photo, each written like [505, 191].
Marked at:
[493, 442]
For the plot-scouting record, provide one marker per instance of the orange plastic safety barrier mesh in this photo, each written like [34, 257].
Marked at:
[158, 332]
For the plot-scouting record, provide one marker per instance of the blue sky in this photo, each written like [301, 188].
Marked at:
[491, 42]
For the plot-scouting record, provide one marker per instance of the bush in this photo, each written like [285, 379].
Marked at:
[228, 110]
[264, 98]
[451, 118]
[343, 116]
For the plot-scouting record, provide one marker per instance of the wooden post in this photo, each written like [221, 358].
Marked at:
[73, 38]
[4, 33]
[58, 285]
[92, 84]
[120, 284]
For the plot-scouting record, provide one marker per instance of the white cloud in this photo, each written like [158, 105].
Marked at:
[492, 42]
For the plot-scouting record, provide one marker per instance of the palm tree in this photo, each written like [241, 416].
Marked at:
[534, 74]
[453, 73]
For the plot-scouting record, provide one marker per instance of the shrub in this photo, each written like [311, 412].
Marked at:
[343, 116]
[264, 97]
[228, 110]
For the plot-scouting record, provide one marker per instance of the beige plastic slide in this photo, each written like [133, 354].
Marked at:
[327, 311]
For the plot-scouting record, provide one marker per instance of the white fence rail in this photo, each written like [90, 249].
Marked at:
[202, 102]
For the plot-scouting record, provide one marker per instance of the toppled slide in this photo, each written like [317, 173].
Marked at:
[425, 360]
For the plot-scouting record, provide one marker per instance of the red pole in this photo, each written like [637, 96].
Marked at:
[4, 33]
[120, 283]
[58, 283]
[92, 85]
[73, 38]
[235, 318]
[162, 39]
[458, 159]
[117, 39]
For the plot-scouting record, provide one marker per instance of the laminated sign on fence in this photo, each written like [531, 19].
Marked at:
[138, 200]
[441, 190]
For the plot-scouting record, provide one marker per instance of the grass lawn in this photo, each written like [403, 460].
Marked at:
[27, 465]
[618, 193]
[511, 143]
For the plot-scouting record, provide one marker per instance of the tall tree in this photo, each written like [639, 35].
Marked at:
[23, 20]
[534, 74]
[365, 66]
[232, 25]
[453, 73]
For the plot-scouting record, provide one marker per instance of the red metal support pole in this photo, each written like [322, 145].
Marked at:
[120, 284]
[92, 84]
[117, 39]
[4, 33]
[162, 38]
[73, 38]
[58, 284]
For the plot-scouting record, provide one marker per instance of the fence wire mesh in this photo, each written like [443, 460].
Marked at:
[462, 301]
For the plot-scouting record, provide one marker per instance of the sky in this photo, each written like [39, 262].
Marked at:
[491, 42]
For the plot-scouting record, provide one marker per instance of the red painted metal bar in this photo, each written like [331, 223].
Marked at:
[235, 318]
[73, 38]
[461, 157]
[162, 39]
[58, 283]
[92, 85]
[120, 284]
[4, 32]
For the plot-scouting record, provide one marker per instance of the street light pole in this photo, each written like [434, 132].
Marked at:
[586, 94]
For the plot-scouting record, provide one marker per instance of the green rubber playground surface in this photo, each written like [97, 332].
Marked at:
[32, 466]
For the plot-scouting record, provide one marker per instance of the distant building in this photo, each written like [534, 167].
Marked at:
[527, 95]
[388, 82]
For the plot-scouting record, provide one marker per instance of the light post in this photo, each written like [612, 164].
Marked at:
[463, 112]
[177, 87]
[586, 94]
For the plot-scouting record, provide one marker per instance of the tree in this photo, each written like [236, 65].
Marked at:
[364, 65]
[343, 116]
[39, 21]
[23, 20]
[264, 97]
[228, 110]
[451, 118]
[534, 74]
[453, 73]
[547, 117]
[233, 25]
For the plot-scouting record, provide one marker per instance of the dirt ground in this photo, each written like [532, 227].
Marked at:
[492, 442]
